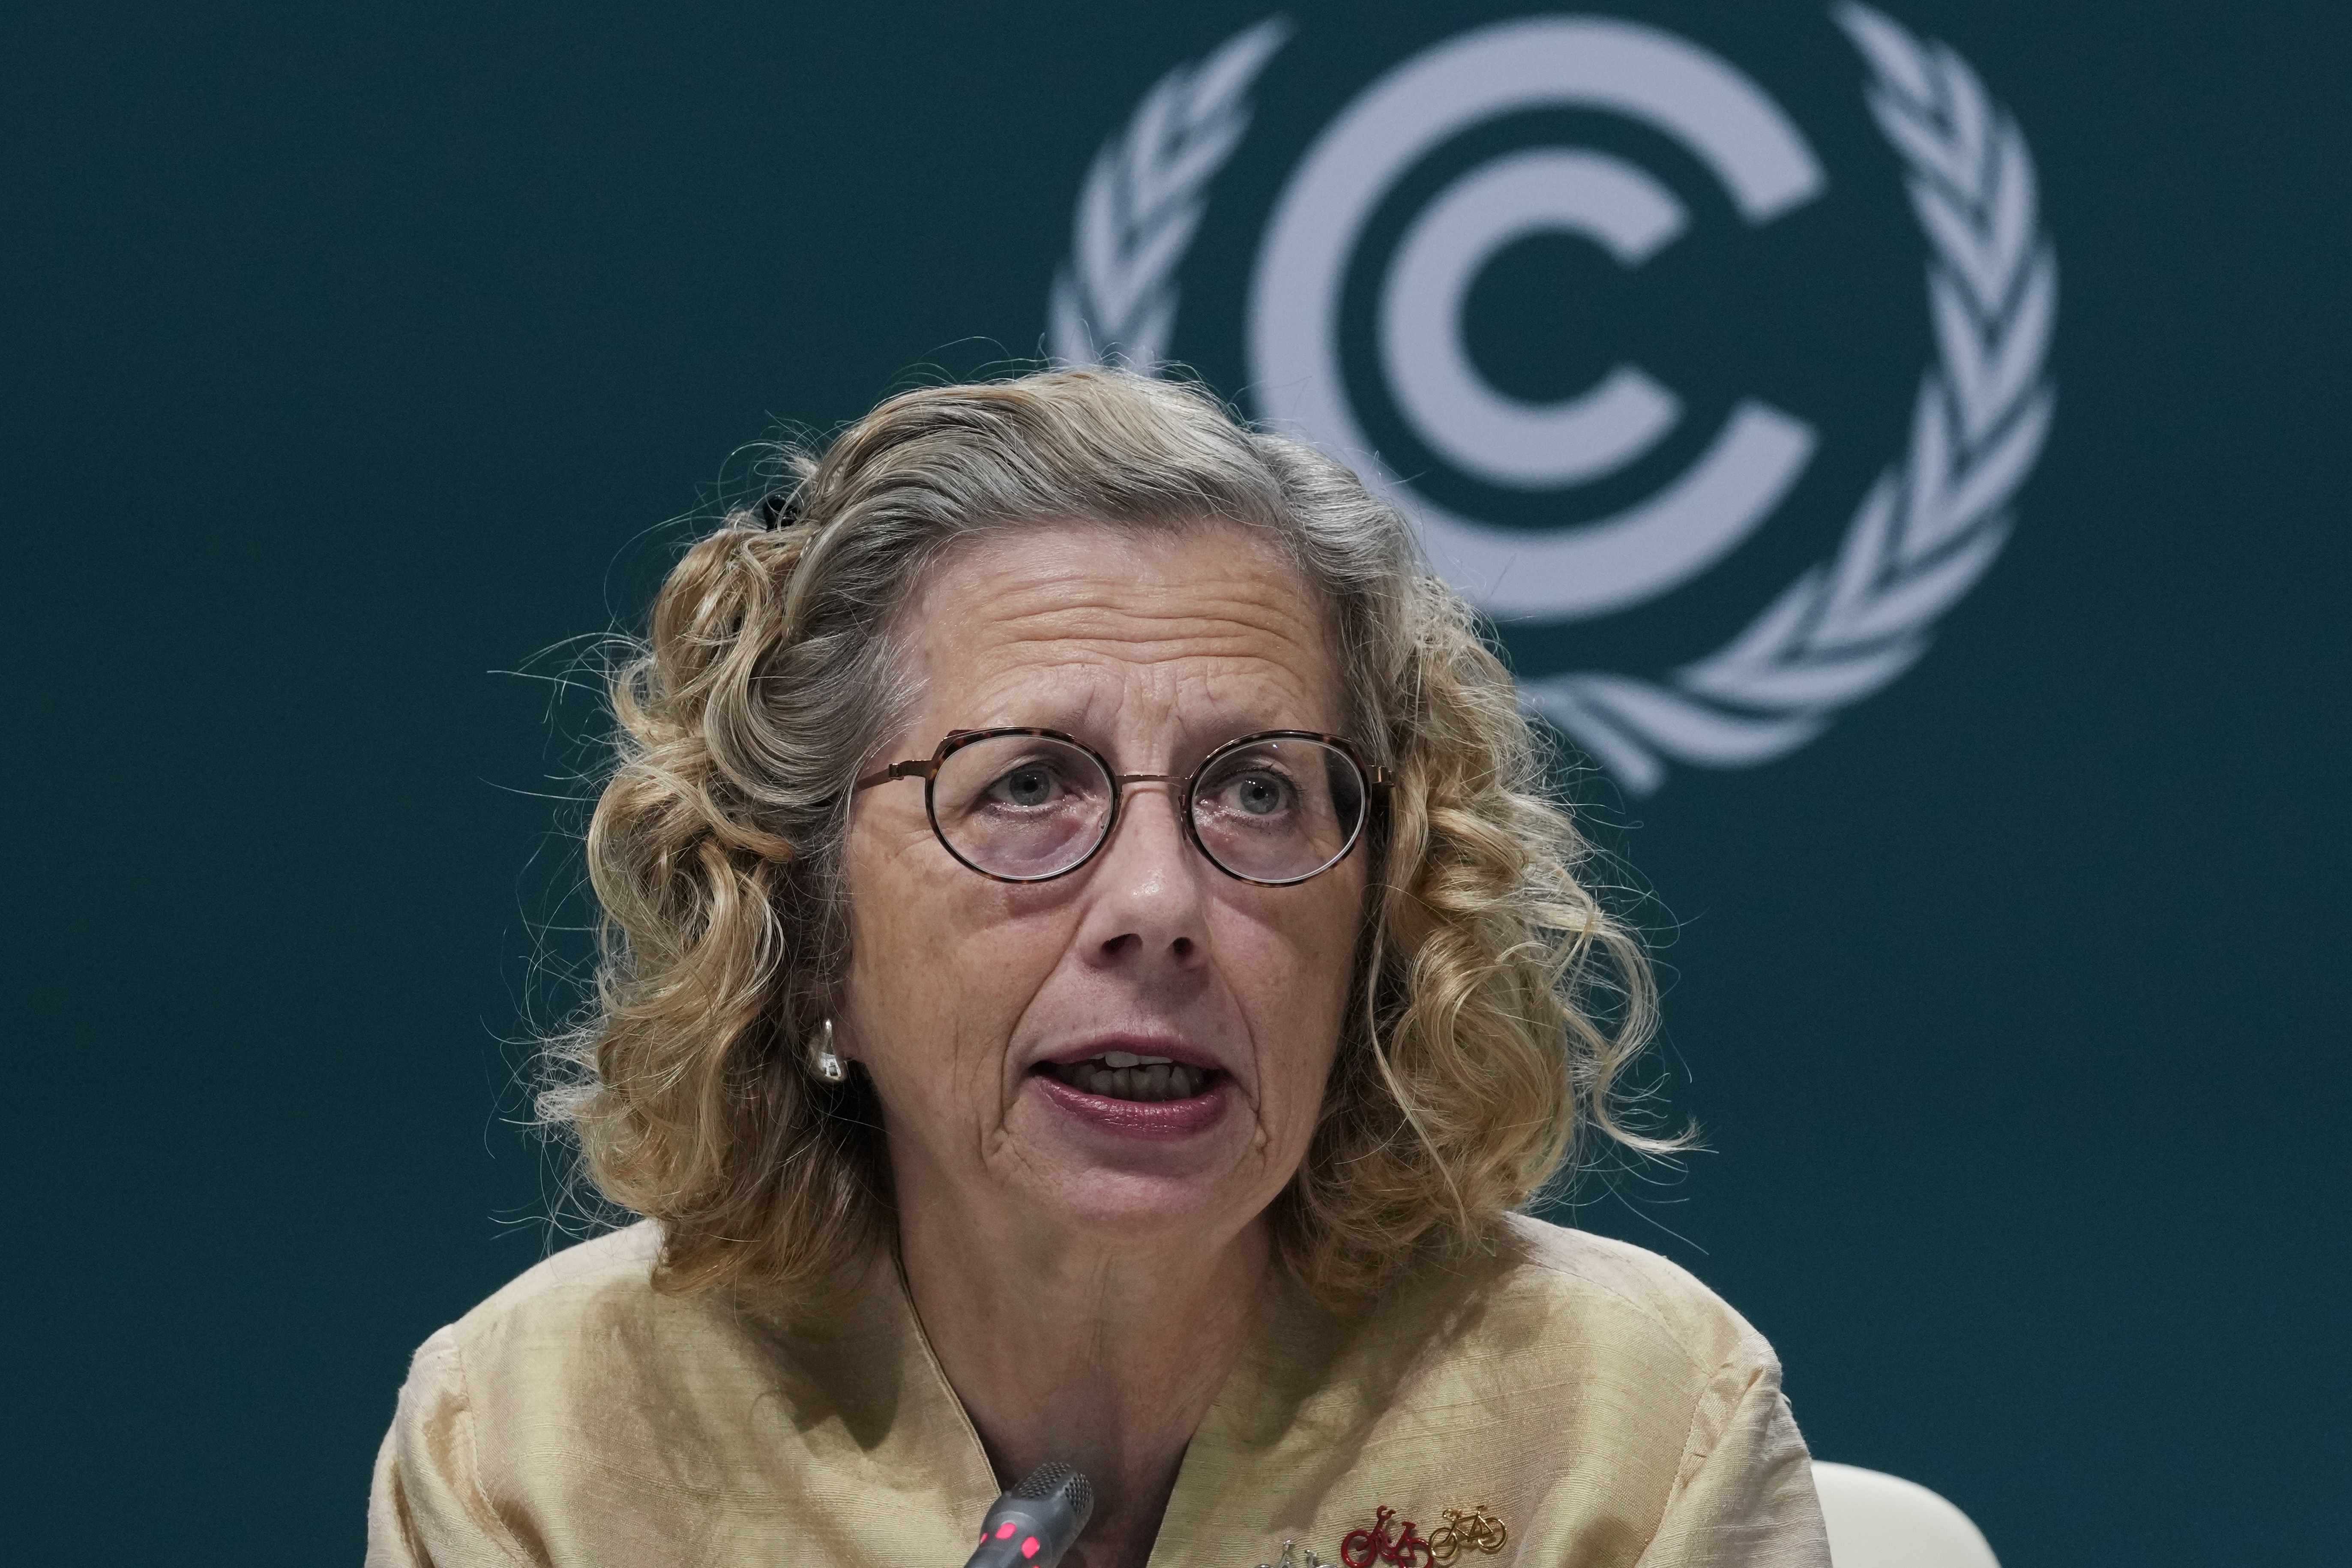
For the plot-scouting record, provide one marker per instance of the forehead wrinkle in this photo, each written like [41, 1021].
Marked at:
[1088, 687]
[1113, 615]
[1015, 620]
[1035, 646]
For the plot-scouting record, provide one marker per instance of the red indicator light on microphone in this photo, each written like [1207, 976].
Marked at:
[1004, 1531]
[1029, 1547]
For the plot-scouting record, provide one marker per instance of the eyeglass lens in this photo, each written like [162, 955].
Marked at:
[1028, 806]
[1277, 810]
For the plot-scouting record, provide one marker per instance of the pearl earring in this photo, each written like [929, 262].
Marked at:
[827, 1065]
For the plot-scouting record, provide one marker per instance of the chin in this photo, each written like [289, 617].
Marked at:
[1120, 1209]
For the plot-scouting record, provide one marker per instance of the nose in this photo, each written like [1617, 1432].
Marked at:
[1147, 905]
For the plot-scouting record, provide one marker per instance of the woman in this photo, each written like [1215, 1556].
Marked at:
[1092, 972]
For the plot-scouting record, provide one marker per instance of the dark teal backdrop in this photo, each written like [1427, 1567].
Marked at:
[355, 355]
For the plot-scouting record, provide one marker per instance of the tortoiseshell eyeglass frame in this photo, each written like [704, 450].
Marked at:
[928, 770]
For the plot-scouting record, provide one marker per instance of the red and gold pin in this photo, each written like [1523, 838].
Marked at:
[1466, 1529]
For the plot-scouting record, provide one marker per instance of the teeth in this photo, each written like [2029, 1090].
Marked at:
[1151, 1078]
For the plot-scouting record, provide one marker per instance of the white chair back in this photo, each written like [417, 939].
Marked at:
[1884, 1522]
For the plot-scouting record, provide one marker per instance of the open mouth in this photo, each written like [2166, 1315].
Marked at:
[1122, 1075]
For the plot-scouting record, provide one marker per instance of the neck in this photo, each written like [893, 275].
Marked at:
[1104, 1356]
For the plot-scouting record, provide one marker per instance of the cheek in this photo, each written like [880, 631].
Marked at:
[935, 985]
[1302, 980]
[890, 989]
[1334, 934]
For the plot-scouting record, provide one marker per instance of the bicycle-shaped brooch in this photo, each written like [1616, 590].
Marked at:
[1466, 1529]
[1404, 1547]
[1401, 1545]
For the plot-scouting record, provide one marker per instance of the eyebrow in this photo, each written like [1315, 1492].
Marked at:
[1192, 743]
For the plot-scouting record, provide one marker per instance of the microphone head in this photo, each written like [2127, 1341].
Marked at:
[1032, 1525]
[1054, 1476]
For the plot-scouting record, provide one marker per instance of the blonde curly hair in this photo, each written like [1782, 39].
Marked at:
[1494, 1002]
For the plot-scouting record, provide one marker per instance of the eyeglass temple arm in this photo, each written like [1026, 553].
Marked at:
[919, 768]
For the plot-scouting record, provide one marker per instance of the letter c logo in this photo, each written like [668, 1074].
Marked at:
[1583, 62]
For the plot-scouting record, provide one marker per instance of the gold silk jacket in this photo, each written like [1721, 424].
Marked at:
[1598, 1403]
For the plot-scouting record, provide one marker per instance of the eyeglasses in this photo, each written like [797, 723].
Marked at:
[1028, 805]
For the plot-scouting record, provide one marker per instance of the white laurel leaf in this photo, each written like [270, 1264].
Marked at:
[1065, 322]
[1958, 325]
[1697, 732]
[1870, 539]
[1114, 299]
[1956, 232]
[1799, 603]
[2014, 356]
[1934, 521]
[2016, 202]
[1906, 604]
[1191, 166]
[1139, 187]
[1816, 683]
[1997, 470]
[1152, 262]
[1902, 68]
[1914, 131]
[1969, 108]
[1632, 761]
[1094, 255]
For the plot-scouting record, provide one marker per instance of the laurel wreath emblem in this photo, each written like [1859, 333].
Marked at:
[1114, 302]
[1927, 530]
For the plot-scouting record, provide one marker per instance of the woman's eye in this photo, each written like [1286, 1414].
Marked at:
[1025, 786]
[1257, 795]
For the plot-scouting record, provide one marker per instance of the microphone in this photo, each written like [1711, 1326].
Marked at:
[1032, 1525]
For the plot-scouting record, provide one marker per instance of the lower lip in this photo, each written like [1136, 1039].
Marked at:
[1148, 1119]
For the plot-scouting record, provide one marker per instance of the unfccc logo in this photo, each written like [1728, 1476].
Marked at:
[1918, 540]
[1555, 61]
